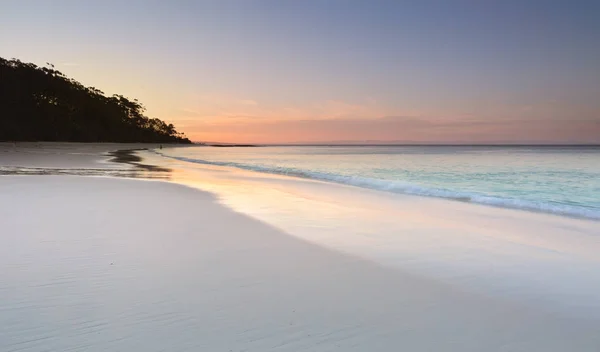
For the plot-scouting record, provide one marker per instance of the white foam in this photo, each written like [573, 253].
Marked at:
[406, 188]
[535, 258]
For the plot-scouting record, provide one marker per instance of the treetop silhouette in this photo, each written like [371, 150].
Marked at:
[42, 104]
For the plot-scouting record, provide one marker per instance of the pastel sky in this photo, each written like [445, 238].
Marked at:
[279, 71]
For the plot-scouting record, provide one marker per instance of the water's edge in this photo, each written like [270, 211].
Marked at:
[406, 188]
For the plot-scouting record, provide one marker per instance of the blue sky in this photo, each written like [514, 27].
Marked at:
[277, 71]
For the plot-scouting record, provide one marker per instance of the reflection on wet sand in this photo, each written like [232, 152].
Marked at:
[139, 170]
[128, 156]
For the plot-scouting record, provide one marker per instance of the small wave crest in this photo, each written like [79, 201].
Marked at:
[411, 189]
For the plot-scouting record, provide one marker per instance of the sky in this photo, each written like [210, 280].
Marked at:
[279, 71]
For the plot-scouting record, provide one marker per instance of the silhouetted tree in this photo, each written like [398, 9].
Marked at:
[42, 104]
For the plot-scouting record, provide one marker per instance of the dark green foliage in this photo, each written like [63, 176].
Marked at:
[42, 104]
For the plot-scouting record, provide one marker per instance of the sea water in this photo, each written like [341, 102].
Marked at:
[563, 180]
[519, 223]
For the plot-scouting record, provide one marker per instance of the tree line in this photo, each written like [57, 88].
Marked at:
[42, 104]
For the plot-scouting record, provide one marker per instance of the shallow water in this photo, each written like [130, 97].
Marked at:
[132, 167]
[545, 260]
[559, 180]
[40, 171]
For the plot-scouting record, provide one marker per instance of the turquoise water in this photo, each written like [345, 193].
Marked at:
[559, 180]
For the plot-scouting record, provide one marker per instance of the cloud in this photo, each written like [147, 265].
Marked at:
[404, 129]
[230, 119]
[188, 112]
[215, 107]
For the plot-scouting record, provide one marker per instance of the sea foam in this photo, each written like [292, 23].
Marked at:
[400, 187]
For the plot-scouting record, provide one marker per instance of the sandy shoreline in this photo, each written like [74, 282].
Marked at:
[536, 259]
[97, 263]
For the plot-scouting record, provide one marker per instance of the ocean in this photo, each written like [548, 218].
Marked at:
[562, 180]
[519, 223]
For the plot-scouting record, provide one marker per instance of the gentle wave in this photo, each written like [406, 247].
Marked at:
[411, 189]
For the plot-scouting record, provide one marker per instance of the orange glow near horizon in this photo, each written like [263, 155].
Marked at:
[228, 119]
[327, 71]
[246, 121]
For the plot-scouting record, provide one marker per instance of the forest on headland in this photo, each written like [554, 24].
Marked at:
[42, 104]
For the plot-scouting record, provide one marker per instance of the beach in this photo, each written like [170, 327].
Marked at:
[128, 258]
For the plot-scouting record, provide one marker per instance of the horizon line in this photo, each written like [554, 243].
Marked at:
[334, 144]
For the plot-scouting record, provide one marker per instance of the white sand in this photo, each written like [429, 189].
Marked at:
[536, 259]
[103, 264]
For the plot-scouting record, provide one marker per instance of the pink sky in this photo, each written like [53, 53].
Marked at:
[217, 119]
[269, 71]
